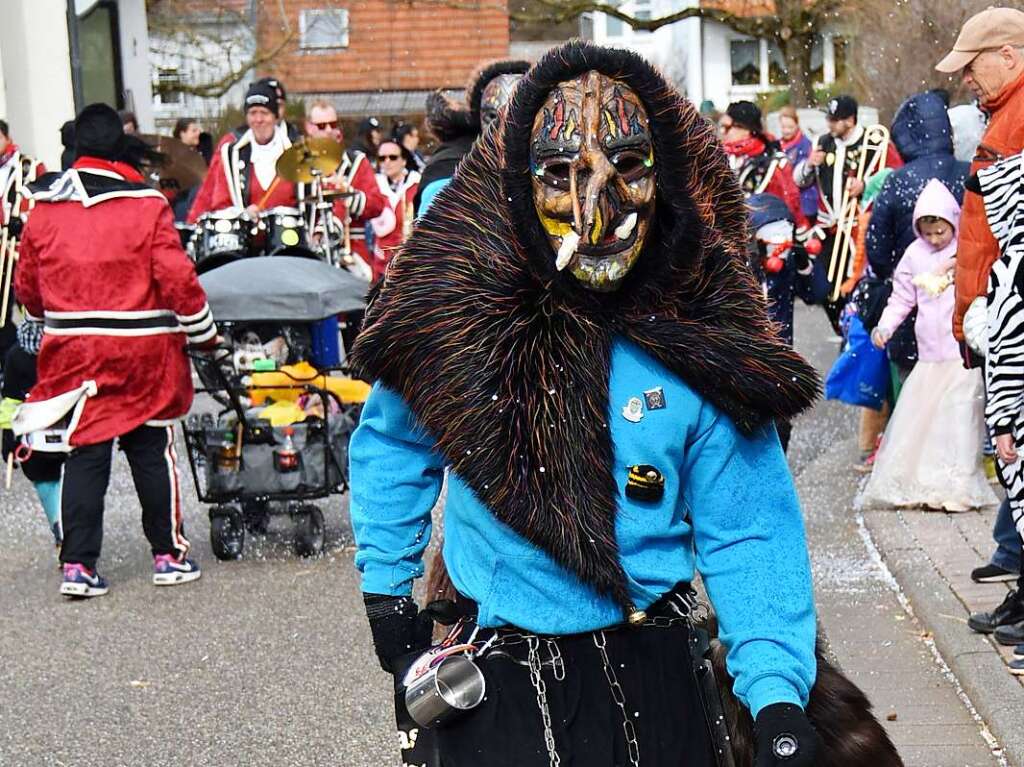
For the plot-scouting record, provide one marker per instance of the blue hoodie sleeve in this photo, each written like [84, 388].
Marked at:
[396, 479]
[752, 555]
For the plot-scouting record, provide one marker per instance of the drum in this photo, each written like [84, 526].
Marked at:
[221, 236]
[285, 233]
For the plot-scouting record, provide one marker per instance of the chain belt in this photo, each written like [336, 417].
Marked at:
[684, 607]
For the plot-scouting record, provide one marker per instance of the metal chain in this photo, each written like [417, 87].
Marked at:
[533, 643]
[632, 744]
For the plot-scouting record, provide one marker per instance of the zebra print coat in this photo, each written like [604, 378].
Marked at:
[1002, 186]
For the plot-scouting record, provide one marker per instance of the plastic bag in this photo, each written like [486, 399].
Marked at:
[861, 374]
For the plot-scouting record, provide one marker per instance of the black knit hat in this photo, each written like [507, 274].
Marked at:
[745, 114]
[261, 94]
[841, 107]
[98, 132]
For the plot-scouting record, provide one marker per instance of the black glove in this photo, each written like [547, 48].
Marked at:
[785, 737]
[15, 226]
[399, 629]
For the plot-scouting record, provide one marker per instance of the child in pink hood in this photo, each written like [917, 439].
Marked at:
[931, 451]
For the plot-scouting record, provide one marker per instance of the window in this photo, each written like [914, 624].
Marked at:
[323, 29]
[168, 82]
[642, 10]
[839, 50]
[778, 72]
[614, 27]
[817, 72]
[745, 56]
[587, 26]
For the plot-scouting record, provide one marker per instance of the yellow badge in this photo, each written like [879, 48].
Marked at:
[290, 237]
[830, 158]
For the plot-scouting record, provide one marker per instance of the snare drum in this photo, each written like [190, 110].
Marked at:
[221, 236]
[285, 232]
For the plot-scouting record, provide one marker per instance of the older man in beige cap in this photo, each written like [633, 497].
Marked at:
[989, 54]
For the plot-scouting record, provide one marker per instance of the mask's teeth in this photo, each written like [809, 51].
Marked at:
[567, 250]
[623, 230]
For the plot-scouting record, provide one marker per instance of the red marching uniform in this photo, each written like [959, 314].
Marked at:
[101, 265]
[391, 227]
[231, 181]
[367, 203]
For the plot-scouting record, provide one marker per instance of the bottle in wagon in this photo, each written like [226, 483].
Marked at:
[286, 457]
[228, 459]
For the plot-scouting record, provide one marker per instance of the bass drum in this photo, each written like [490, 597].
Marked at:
[285, 233]
[221, 237]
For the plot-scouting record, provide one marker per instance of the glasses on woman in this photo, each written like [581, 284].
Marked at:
[391, 157]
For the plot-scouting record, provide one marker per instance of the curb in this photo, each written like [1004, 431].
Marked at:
[979, 669]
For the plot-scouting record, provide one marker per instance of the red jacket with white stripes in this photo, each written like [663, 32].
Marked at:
[101, 263]
[368, 202]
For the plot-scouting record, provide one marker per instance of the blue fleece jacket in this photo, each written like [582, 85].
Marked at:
[729, 510]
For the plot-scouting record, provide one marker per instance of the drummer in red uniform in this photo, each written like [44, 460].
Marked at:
[355, 175]
[243, 172]
[101, 266]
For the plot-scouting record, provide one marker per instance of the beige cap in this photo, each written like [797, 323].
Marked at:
[992, 28]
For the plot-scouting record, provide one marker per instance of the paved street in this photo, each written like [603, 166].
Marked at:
[268, 661]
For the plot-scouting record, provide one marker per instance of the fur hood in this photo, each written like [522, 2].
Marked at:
[489, 344]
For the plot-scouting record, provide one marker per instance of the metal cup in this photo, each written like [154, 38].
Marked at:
[452, 687]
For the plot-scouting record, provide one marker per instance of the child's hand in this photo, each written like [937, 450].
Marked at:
[945, 267]
[879, 338]
[1006, 449]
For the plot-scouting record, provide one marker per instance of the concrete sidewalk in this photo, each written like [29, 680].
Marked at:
[931, 555]
[877, 639]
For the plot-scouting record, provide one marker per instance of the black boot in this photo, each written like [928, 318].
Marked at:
[1011, 611]
[1010, 635]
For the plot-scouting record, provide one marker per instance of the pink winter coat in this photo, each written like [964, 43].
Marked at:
[933, 327]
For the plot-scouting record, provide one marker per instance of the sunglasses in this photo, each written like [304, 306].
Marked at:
[389, 157]
[328, 125]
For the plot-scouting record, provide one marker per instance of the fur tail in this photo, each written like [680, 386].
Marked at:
[838, 709]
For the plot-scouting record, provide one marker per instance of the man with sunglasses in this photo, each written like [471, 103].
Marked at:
[355, 175]
[989, 55]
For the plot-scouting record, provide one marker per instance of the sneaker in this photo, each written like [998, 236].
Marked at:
[1018, 651]
[866, 463]
[1010, 611]
[171, 571]
[1010, 635]
[80, 581]
[992, 574]
[1017, 666]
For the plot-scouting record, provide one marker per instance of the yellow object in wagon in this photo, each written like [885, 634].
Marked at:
[288, 382]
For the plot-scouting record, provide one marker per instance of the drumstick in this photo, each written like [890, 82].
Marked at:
[10, 471]
[270, 190]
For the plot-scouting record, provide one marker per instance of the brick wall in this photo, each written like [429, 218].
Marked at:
[393, 44]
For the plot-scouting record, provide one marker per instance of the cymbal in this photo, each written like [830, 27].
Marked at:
[309, 158]
[184, 167]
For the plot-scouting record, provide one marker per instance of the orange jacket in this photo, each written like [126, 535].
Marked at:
[976, 248]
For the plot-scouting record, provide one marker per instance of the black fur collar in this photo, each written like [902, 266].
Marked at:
[506, 361]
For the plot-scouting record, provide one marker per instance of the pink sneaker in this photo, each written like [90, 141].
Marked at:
[171, 571]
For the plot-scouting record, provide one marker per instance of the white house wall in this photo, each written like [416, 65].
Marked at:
[36, 59]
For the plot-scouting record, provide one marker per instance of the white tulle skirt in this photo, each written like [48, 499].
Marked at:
[930, 454]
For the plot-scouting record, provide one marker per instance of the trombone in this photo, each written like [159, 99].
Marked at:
[844, 246]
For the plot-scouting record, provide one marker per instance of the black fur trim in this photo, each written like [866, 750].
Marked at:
[506, 361]
[448, 120]
[481, 78]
